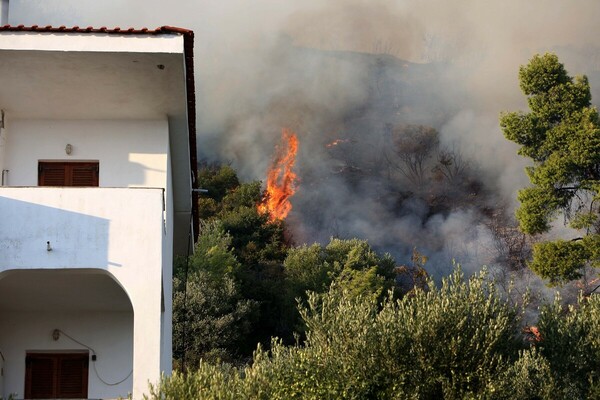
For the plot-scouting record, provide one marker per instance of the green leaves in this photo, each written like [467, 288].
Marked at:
[562, 261]
[571, 345]
[538, 207]
[459, 340]
[523, 129]
[559, 261]
[351, 263]
[561, 134]
[542, 74]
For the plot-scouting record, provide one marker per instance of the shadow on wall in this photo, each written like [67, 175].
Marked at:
[39, 236]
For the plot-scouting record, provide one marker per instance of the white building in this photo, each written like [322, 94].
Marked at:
[98, 160]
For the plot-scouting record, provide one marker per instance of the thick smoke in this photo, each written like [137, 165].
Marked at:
[365, 72]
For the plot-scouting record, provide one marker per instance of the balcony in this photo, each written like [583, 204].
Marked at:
[64, 227]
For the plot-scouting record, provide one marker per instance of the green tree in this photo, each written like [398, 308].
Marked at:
[351, 264]
[214, 321]
[211, 318]
[218, 180]
[450, 342]
[258, 245]
[571, 344]
[561, 135]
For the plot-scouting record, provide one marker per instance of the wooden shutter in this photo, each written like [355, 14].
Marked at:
[51, 174]
[72, 376]
[56, 375]
[39, 377]
[68, 173]
[83, 174]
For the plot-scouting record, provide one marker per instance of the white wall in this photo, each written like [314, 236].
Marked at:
[131, 153]
[117, 230]
[91, 42]
[126, 232]
[110, 334]
[167, 278]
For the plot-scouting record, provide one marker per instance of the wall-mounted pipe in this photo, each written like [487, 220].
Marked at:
[4, 173]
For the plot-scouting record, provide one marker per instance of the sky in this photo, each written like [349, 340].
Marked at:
[265, 64]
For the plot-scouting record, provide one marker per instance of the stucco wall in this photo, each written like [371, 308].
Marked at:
[127, 232]
[121, 231]
[110, 334]
[166, 361]
[130, 153]
[85, 42]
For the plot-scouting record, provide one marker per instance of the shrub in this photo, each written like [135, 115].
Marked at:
[571, 343]
[449, 342]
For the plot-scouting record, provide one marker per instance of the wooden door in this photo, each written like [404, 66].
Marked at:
[56, 375]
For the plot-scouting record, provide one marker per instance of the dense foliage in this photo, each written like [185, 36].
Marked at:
[244, 278]
[561, 135]
[458, 341]
[211, 319]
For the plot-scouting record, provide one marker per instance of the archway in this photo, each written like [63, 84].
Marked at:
[51, 317]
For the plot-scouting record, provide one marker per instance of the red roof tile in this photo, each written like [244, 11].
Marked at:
[103, 29]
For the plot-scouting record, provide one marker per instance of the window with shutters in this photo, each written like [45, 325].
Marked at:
[54, 173]
[56, 375]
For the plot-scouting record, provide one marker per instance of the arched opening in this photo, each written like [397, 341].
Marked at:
[65, 333]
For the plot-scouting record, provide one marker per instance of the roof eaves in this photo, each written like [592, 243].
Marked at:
[90, 29]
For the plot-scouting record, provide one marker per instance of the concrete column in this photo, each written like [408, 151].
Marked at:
[146, 345]
[144, 288]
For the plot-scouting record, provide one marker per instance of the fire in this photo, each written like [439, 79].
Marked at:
[336, 142]
[281, 179]
[534, 333]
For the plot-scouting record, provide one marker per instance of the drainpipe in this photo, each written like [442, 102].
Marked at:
[2, 143]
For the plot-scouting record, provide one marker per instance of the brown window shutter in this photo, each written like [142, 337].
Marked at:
[84, 174]
[53, 173]
[56, 375]
[72, 377]
[40, 377]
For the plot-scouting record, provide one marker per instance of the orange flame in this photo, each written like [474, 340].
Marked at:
[336, 142]
[281, 179]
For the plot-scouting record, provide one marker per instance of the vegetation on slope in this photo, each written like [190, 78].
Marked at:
[461, 340]
[331, 321]
[244, 278]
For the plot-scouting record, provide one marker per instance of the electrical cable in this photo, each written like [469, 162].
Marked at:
[107, 383]
[94, 360]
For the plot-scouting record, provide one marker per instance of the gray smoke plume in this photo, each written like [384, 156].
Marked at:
[364, 73]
